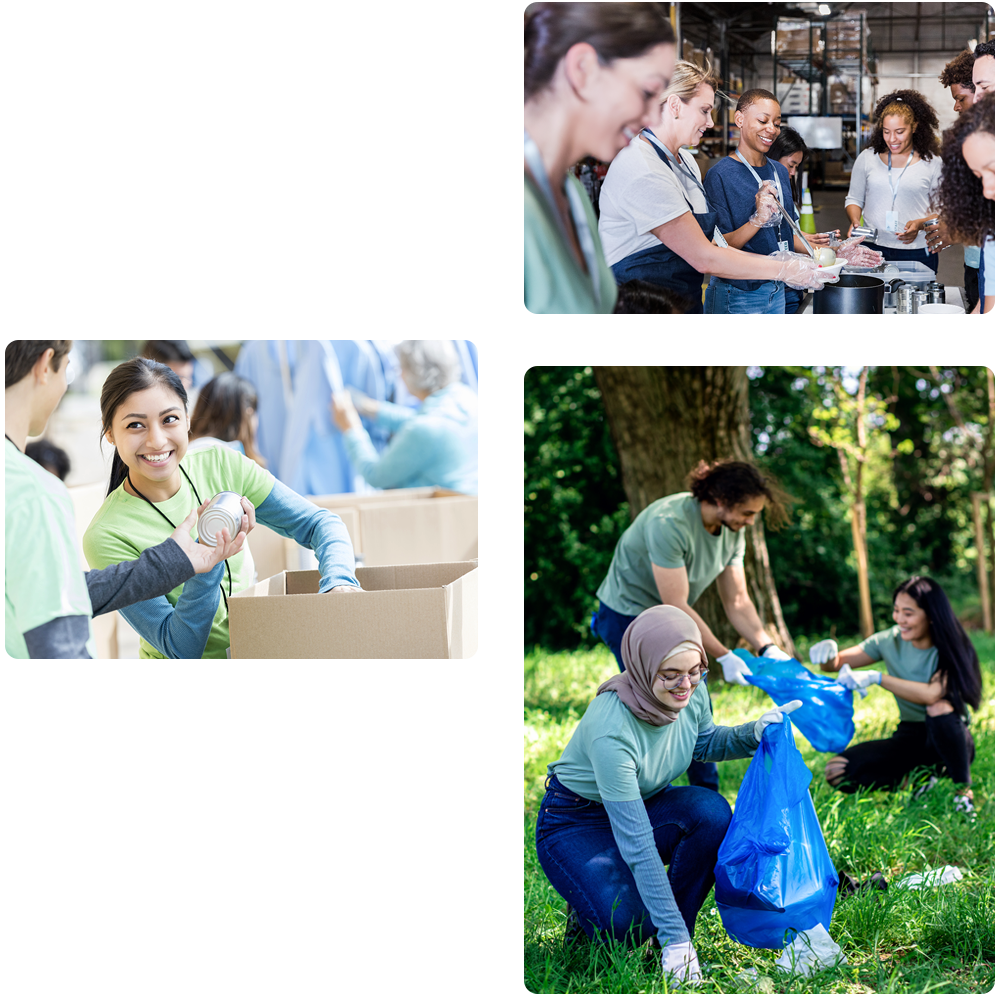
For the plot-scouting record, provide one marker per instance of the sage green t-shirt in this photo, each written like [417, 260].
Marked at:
[614, 756]
[43, 578]
[903, 660]
[669, 533]
[126, 526]
[553, 280]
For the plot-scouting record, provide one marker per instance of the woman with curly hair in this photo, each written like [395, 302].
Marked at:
[893, 178]
[967, 194]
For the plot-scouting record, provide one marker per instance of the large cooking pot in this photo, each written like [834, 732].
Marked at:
[854, 293]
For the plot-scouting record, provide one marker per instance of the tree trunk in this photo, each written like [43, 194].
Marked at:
[664, 420]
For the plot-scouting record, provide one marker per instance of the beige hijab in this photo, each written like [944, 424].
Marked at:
[656, 634]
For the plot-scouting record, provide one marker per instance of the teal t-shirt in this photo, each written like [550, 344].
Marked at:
[126, 526]
[614, 756]
[669, 533]
[903, 660]
[43, 579]
[553, 280]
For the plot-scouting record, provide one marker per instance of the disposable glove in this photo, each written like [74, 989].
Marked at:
[734, 669]
[767, 214]
[858, 680]
[680, 964]
[801, 272]
[774, 653]
[773, 715]
[823, 652]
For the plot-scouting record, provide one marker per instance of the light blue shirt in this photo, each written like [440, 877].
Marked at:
[990, 268]
[972, 257]
[438, 445]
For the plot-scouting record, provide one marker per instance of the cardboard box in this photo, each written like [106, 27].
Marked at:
[425, 611]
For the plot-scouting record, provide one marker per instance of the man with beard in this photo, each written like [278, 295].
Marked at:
[673, 551]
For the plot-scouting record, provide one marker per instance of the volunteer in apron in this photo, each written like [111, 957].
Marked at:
[656, 222]
[593, 73]
[733, 186]
[893, 179]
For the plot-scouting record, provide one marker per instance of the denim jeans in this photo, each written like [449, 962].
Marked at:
[578, 853]
[722, 297]
[610, 625]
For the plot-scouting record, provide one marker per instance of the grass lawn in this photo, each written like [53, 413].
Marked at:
[935, 940]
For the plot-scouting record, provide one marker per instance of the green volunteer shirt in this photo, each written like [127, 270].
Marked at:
[904, 661]
[614, 756]
[43, 578]
[126, 526]
[669, 533]
[553, 280]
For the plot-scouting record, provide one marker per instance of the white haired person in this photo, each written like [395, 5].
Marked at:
[435, 445]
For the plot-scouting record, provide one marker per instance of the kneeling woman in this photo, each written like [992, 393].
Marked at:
[657, 223]
[144, 414]
[610, 819]
[932, 669]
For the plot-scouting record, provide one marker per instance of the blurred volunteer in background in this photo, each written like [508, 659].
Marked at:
[984, 70]
[656, 223]
[932, 670]
[226, 414]
[48, 599]
[144, 415]
[610, 819]
[676, 548]
[593, 76]
[436, 445]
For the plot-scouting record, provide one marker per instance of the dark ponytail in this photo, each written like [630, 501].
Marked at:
[127, 378]
[615, 30]
[957, 657]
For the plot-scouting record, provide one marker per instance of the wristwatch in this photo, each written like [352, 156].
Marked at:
[767, 645]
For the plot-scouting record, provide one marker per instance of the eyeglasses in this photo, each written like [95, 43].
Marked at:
[672, 681]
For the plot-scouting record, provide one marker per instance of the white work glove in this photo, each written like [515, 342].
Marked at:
[773, 715]
[858, 680]
[823, 652]
[774, 653]
[680, 964]
[766, 214]
[801, 272]
[734, 669]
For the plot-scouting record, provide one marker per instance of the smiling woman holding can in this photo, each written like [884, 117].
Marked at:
[144, 414]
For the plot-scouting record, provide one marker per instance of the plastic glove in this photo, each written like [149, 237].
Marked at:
[857, 255]
[799, 271]
[734, 669]
[680, 964]
[774, 653]
[858, 680]
[767, 214]
[823, 652]
[773, 715]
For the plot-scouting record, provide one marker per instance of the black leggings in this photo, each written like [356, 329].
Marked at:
[942, 742]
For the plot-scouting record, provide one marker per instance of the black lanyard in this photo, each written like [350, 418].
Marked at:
[174, 526]
[8, 438]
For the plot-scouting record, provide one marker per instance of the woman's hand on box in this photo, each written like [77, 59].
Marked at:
[204, 558]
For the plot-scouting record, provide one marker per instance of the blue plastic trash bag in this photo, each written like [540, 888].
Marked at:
[774, 877]
[826, 718]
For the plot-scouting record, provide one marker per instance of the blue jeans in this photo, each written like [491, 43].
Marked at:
[722, 297]
[577, 851]
[793, 299]
[610, 625]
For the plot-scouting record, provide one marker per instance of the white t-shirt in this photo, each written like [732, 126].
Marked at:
[639, 193]
[870, 191]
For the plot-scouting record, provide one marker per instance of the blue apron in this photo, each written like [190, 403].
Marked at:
[659, 265]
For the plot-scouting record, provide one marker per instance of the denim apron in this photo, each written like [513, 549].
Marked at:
[659, 265]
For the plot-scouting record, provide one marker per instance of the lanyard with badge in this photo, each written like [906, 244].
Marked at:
[782, 244]
[583, 233]
[892, 216]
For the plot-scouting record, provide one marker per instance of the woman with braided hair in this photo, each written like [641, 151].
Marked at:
[892, 180]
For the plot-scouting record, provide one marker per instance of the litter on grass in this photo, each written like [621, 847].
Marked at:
[937, 876]
[810, 951]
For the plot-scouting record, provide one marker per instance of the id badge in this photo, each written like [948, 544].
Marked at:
[892, 221]
[783, 246]
[718, 238]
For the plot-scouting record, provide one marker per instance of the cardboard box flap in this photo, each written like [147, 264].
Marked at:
[415, 576]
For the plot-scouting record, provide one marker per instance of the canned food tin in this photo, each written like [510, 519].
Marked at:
[225, 511]
[930, 223]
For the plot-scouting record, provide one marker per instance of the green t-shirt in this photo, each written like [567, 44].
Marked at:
[614, 756]
[903, 660]
[43, 579]
[553, 280]
[669, 533]
[126, 526]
